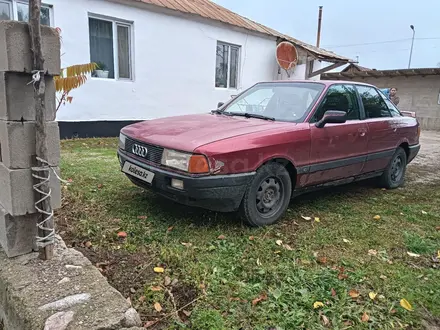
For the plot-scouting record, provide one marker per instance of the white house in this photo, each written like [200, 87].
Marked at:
[167, 57]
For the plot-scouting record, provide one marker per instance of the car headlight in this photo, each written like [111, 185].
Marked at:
[122, 139]
[195, 164]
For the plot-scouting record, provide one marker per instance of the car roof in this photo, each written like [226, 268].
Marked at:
[324, 82]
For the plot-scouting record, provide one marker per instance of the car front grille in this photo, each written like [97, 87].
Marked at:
[154, 153]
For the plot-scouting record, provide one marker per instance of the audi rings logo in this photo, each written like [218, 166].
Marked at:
[139, 150]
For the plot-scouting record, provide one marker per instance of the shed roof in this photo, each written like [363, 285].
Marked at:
[382, 73]
[355, 67]
[213, 11]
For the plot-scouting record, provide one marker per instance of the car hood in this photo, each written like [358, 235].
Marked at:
[189, 132]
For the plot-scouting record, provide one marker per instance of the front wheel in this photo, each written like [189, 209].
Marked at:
[267, 195]
[394, 175]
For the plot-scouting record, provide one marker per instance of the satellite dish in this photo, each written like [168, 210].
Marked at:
[287, 55]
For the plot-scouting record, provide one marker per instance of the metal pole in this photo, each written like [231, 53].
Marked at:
[412, 45]
[318, 37]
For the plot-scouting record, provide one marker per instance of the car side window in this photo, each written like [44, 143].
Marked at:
[339, 97]
[374, 104]
[393, 109]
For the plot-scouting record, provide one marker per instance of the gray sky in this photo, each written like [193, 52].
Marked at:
[347, 23]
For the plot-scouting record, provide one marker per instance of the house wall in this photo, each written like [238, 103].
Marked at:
[416, 93]
[174, 63]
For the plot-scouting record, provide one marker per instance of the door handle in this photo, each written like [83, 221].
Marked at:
[362, 131]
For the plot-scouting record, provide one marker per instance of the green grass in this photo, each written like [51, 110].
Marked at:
[316, 261]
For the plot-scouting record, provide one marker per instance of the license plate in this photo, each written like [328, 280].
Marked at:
[138, 172]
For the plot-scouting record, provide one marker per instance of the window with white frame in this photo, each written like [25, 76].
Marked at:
[110, 47]
[227, 65]
[19, 10]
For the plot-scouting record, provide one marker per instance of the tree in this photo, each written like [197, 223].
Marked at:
[71, 78]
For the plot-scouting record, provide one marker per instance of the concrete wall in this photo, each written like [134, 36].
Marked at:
[417, 93]
[174, 62]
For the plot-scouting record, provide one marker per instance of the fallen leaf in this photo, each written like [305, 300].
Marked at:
[70, 180]
[405, 304]
[142, 299]
[372, 252]
[277, 252]
[381, 297]
[187, 313]
[372, 295]
[122, 234]
[221, 237]
[424, 212]
[88, 244]
[437, 228]
[100, 186]
[157, 307]
[156, 288]
[158, 270]
[342, 275]
[376, 217]
[288, 247]
[279, 242]
[251, 238]
[333, 292]
[167, 281]
[345, 240]
[306, 218]
[353, 293]
[170, 228]
[202, 286]
[132, 290]
[150, 323]
[317, 304]
[325, 320]
[415, 255]
[438, 254]
[348, 323]
[142, 217]
[322, 260]
[262, 297]
[383, 277]
[317, 219]
[365, 317]
[258, 262]
[393, 311]
[186, 244]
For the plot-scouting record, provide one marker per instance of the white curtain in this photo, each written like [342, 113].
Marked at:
[124, 51]
[101, 44]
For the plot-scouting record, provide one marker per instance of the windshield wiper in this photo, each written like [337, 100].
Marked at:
[220, 112]
[251, 115]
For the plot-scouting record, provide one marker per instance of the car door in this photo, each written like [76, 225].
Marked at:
[338, 151]
[381, 126]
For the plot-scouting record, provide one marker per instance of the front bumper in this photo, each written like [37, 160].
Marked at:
[222, 193]
[413, 151]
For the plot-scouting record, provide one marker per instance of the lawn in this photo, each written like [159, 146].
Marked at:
[342, 250]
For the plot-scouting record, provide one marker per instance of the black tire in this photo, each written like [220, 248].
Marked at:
[394, 175]
[267, 196]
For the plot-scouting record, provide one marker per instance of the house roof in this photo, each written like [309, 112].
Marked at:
[356, 67]
[213, 11]
[382, 73]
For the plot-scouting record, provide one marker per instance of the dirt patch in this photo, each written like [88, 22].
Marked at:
[425, 168]
[131, 273]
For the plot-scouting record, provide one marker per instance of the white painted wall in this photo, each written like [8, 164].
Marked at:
[174, 63]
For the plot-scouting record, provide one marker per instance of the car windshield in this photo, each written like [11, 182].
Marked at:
[278, 101]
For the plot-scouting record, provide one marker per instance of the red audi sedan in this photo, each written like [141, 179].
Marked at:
[270, 143]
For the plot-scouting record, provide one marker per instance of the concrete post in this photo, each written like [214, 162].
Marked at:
[18, 216]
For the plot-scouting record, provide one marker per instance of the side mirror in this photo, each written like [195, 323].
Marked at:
[220, 104]
[332, 117]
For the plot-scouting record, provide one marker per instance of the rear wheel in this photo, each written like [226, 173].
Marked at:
[267, 196]
[394, 175]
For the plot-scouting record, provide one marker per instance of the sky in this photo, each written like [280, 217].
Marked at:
[376, 31]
